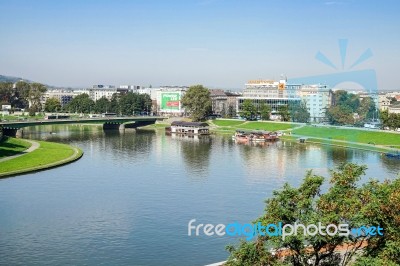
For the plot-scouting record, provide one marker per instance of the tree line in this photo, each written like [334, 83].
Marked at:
[390, 120]
[22, 95]
[122, 104]
[296, 112]
[349, 109]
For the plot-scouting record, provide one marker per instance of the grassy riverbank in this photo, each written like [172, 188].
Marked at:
[351, 135]
[47, 155]
[354, 138]
[12, 146]
[229, 126]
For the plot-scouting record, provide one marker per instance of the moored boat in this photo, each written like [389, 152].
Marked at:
[255, 136]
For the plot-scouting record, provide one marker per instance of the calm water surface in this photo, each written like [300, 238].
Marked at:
[129, 199]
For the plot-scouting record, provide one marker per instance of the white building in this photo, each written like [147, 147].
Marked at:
[272, 93]
[317, 98]
[100, 91]
[64, 96]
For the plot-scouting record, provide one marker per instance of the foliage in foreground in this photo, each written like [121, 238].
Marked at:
[372, 204]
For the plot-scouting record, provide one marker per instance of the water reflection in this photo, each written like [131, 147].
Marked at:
[133, 192]
[196, 152]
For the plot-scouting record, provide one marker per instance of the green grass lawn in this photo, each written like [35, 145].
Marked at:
[270, 126]
[20, 117]
[227, 123]
[353, 135]
[252, 125]
[12, 146]
[48, 153]
[157, 125]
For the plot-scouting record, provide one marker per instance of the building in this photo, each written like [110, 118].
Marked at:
[273, 93]
[218, 102]
[64, 96]
[100, 91]
[384, 101]
[107, 91]
[169, 100]
[133, 88]
[317, 98]
[231, 102]
[394, 108]
[189, 128]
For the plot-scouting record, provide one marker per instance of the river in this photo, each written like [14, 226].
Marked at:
[129, 199]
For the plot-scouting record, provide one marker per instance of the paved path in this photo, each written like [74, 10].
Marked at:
[34, 146]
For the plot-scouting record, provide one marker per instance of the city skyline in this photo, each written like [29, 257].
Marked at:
[215, 43]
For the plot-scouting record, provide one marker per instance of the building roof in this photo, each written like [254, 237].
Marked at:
[217, 92]
[231, 93]
[189, 124]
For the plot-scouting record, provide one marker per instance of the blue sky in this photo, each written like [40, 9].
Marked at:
[212, 42]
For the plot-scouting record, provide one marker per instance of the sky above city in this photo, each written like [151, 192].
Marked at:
[217, 43]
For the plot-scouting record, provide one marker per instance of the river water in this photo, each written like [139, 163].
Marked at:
[129, 199]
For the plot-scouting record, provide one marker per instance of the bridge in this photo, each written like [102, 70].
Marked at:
[15, 128]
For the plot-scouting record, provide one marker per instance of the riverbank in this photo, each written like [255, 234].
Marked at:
[356, 138]
[378, 141]
[46, 155]
[12, 146]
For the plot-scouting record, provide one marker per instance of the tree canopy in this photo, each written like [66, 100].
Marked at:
[372, 204]
[299, 113]
[265, 111]
[345, 105]
[248, 110]
[81, 104]
[52, 105]
[283, 111]
[197, 102]
[390, 120]
[22, 95]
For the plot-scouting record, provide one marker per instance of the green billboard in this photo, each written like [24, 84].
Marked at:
[170, 101]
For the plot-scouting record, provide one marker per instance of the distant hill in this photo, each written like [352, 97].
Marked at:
[11, 79]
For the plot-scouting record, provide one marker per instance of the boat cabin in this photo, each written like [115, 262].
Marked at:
[195, 128]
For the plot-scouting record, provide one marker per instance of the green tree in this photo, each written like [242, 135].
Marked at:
[114, 104]
[345, 105]
[52, 105]
[22, 93]
[384, 117]
[390, 120]
[248, 110]
[283, 111]
[34, 96]
[366, 109]
[197, 102]
[17, 96]
[299, 113]
[373, 204]
[6, 91]
[81, 104]
[340, 115]
[343, 98]
[265, 111]
[102, 105]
